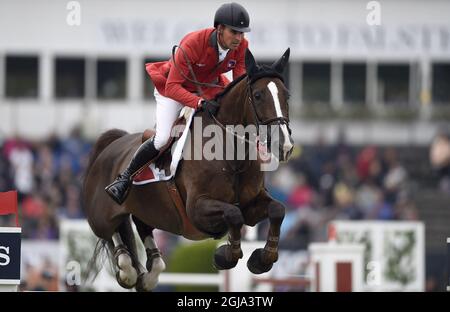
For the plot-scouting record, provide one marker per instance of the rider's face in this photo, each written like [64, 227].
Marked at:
[229, 38]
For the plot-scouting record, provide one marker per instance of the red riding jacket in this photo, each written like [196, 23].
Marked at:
[201, 50]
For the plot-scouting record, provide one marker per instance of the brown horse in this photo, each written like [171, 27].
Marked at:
[219, 196]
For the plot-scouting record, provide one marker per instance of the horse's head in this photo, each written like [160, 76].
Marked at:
[269, 99]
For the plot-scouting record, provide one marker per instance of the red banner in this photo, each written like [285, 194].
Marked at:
[8, 204]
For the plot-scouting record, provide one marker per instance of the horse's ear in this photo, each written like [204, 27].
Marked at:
[250, 63]
[281, 63]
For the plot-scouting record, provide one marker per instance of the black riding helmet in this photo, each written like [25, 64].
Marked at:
[234, 16]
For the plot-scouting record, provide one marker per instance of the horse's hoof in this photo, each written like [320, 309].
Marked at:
[255, 264]
[220, 258]
[123, 283]
[126, 275]
[140, 284]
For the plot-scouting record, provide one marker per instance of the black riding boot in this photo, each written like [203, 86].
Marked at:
[118, 190]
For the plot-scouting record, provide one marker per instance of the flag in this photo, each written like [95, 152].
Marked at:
[8, 204]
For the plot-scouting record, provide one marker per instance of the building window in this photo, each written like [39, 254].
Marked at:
[22, 74]
[393, 84]
[148, 87]
[354, 83]
[441, 85]
[69, 78]
[111, 79]
[316, 83]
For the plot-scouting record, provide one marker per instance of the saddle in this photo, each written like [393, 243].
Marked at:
[163, 162]
[164, 157]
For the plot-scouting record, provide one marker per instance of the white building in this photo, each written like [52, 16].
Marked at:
[392, 79]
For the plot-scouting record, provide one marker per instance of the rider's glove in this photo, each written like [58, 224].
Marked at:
[210, 106]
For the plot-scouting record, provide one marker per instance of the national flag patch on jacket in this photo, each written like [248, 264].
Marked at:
[231, 64]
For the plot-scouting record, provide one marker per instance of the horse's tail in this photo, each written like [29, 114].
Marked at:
[101, 252]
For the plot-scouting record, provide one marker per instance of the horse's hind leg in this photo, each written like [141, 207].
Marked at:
[264, 206]
[154, 264]
[125, 255]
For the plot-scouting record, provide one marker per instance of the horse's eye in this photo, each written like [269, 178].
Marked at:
[257, 95]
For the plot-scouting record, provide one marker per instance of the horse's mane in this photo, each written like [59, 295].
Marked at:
[230, 86]
[261, 72]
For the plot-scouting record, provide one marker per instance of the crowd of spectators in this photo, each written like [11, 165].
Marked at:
[47, 176]
[321, 183]
[327, 182]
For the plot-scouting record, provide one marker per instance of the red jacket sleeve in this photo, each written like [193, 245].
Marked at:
[174, 86]
[239, 69]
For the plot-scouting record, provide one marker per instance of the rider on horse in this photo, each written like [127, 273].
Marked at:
[207, 53]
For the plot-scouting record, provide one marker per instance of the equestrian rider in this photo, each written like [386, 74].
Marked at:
[209, 52]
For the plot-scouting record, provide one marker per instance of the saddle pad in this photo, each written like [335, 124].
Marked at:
[154, 174]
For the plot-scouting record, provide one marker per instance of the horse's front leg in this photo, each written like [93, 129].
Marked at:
[219, 216]
[264, 206]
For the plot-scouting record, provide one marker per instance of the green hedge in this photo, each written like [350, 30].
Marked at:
[193, 258]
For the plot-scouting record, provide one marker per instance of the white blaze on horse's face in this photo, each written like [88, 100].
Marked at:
[287, 145]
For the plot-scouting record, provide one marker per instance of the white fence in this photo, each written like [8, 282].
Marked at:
[382, 241]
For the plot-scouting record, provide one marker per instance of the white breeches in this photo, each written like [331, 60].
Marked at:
[167, 111]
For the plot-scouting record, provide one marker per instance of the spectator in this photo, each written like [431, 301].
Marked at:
[440, 159]
[21, 159]
[395, 178]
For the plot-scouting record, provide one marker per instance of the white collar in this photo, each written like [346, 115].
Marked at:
[221, 50]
